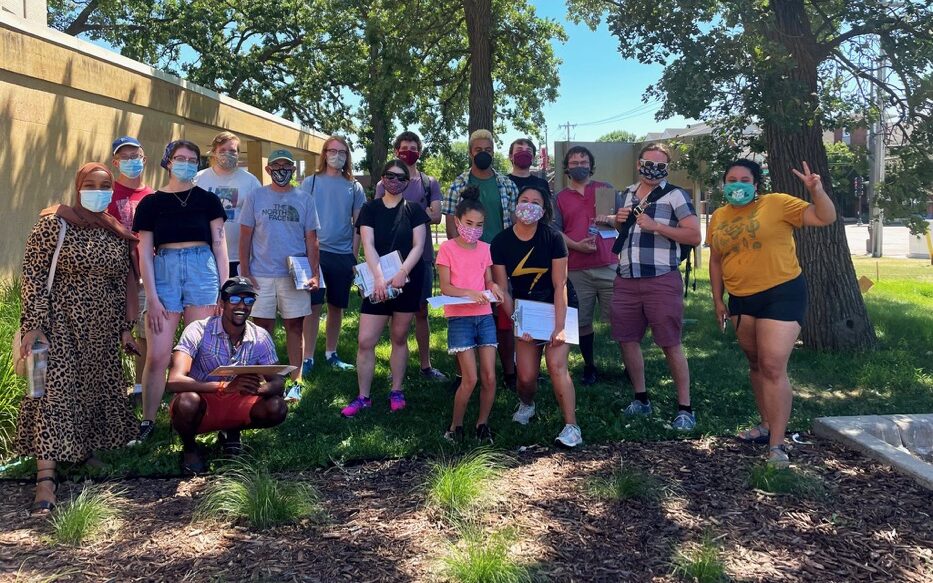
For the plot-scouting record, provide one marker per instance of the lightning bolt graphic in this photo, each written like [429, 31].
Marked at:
[520, 269]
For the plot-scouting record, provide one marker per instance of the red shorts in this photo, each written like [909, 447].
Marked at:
[648, 301]
[223, 411]
[503, 320]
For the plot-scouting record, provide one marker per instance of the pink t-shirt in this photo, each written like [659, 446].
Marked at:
[468, 271]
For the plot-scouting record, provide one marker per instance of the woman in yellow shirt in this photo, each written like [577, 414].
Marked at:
[754, 258]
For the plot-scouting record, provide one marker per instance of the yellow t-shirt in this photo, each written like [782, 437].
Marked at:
[756, 242]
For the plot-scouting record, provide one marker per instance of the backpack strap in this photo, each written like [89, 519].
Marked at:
[58, 250]
[638, 209]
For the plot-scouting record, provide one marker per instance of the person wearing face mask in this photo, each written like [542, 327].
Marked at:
[338, 198]
[753, 256]
[498, 195]
[649, 290]
[530, 258]
[84, 317]
[424, 191]
[183, 258]
[591, 263]
[232, 185]
[389, 224]
[129, 160]
[522, 156]
[277, 222]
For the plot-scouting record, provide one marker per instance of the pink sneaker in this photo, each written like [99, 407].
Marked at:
[357, 405]
[396, 401]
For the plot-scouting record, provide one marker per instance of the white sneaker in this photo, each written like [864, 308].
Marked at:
[524, 413]
[570, 437]
[293, 394]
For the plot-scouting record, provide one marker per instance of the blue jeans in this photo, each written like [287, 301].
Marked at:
[186, 277]
[467, 332]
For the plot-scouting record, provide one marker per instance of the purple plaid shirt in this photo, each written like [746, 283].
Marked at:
[208, 345]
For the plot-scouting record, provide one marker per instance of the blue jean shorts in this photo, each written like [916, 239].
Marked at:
[467, 332]
[186, 277]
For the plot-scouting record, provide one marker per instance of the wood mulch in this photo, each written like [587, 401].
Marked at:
[873, 524]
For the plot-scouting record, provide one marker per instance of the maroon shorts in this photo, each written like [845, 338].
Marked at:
[503, 320]
[648, 301]
[223, 411]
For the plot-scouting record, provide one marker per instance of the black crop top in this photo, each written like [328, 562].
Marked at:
[162, 213]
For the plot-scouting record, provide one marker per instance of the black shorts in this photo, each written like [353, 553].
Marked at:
[408, 301]
[786, 302]
[338, 277]
[234, 268]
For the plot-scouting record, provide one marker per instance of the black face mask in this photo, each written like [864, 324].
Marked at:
[282, 176]
[483, 160]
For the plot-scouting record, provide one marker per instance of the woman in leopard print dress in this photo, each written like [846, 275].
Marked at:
[84, 320]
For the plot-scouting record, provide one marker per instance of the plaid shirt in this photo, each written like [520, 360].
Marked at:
[648, 254]
[508, 195]
[206, 342]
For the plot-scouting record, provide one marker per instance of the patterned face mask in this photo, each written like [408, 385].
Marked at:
[529, 212]
[652, 171]
[469, 234]
[739, 193]
[282, 176]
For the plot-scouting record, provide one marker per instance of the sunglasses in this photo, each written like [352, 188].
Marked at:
[395, 176]
[650, 164]
[247, 300]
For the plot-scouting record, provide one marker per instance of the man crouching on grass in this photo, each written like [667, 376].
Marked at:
[203, 403]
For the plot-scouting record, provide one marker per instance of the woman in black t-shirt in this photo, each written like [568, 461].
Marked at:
[531, 258]
[183, 260]
[385, 225]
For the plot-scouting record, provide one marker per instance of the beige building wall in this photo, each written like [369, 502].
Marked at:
[63, 101]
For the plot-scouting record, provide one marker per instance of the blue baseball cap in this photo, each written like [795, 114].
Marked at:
[125, 141]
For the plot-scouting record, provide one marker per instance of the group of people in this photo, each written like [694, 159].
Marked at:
[212, 249]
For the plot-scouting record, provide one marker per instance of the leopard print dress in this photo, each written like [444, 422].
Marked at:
[85, 406]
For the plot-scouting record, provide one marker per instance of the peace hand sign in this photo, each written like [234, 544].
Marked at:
[812, 182]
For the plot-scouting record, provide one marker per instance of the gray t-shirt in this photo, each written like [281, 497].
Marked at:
[279, 221]
[232, 190]
[336, 199]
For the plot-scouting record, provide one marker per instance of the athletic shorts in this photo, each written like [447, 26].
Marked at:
[223, 411]
[639, 302]
[279, 294]
[786, 302]
[409, 301]
[427, 289]
[338, 278]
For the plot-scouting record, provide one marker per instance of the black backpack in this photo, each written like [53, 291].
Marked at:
[640, 208]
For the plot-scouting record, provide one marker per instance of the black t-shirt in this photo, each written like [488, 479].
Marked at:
[392, 232]
[528, 263]
[523, 182]
[162, 213]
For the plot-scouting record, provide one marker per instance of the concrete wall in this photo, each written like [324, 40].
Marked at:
[62, 102]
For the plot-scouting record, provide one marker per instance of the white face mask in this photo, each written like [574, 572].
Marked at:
[336, 161]
[96, 200]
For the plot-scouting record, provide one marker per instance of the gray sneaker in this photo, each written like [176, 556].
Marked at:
[524, 413]
[636, 407]
[570, 437]
[684, 421]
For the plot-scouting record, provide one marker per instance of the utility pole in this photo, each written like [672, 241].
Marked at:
[876, 170]
[567, 125]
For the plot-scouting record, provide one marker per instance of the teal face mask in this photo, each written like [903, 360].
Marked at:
[739, 193]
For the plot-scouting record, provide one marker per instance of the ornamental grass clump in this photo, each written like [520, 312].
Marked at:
[485, 558]
[457, 488]
[700, 563]
[92, 513]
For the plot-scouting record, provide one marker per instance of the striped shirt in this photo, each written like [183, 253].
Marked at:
[647, 254]
[209, 346]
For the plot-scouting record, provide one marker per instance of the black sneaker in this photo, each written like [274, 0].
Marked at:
[589, 375]
[146, 427]
[230, 443]
[484, 434]
[192, 462]
[455, 436]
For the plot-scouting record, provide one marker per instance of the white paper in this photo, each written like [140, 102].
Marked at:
[390, 265]
[300, 269]
[438, 301]
[537, 319]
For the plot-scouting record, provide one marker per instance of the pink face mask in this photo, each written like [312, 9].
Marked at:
[469, 234]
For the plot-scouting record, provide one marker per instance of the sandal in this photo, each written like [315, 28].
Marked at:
[42, 508]
[748, 435]
[777, 457]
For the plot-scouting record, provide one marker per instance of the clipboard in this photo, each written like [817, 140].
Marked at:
[259, 369]
[537, 319]
[390, 264]
[300, 268]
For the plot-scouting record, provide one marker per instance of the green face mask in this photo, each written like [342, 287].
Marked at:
[739, 193]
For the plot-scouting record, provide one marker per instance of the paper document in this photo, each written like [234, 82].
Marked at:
[300, 269]
[605, 201]
[260, 369]
[537, 319]
[438, 301]
[390, 265]
[608, 233]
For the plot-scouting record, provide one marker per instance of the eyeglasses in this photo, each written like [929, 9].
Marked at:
[280, 167]
[182, 159]
[334, 151]
[651, 164]
[247, 300]
[395, 176]
[225, 152]
[130, 157]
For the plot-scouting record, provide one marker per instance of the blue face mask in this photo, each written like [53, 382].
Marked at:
[131, 168]
[96, 201]
[579, 173]
[739, 193]
[184, 171]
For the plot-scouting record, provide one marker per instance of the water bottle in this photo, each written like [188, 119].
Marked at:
[592, 231]
[391, 294]
[37, 365]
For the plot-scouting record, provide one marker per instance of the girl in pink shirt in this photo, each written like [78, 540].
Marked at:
[464, 265]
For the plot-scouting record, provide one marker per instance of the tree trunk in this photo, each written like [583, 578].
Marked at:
[836, 317]
[479, 30]
[379, 151]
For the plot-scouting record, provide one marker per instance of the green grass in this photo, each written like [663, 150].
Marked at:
[625, 483]
[485, 558]
[93, 512]
[895, 378]
[246, 492]
[459, 487]
[700, 563]
[786, 481]
[12, 387]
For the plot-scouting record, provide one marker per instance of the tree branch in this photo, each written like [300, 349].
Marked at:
[78, 25]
